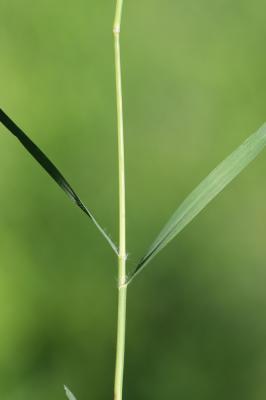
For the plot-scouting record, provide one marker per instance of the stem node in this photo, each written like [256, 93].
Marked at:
[116, 30]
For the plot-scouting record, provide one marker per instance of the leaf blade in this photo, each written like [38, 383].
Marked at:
[204, 193]
[51, 169]
[69, 394]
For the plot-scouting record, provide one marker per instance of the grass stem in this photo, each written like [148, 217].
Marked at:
[122, 286]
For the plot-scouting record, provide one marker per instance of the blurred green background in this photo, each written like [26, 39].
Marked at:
[194, 88]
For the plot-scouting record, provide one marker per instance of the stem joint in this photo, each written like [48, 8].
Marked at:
[116, 30]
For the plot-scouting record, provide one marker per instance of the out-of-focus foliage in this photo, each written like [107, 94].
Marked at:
[194, 88]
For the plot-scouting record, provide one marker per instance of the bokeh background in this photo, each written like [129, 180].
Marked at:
[194, 88]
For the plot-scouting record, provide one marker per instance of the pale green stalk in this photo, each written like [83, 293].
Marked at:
[122, 286]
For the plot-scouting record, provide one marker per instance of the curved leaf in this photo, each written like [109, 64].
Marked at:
[206, 191]
[51, 169]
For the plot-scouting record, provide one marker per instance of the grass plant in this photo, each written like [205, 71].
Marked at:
[194, 203]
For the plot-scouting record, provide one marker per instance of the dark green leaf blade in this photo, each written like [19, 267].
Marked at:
[206, 191]
[69, 395]
[51, 169]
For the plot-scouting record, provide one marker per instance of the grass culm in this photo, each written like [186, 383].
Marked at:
[193, 204]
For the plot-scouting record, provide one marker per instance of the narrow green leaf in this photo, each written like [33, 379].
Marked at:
[206, 191]
[69, 395]
[52, 170]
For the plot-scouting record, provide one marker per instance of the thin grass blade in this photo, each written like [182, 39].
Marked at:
[206, 191]
[69, 395]
[52, 170]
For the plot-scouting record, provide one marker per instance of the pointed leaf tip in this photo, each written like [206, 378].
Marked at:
[204, 193]
[69, 395]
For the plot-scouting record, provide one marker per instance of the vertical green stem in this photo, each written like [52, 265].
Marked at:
[122, 286]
